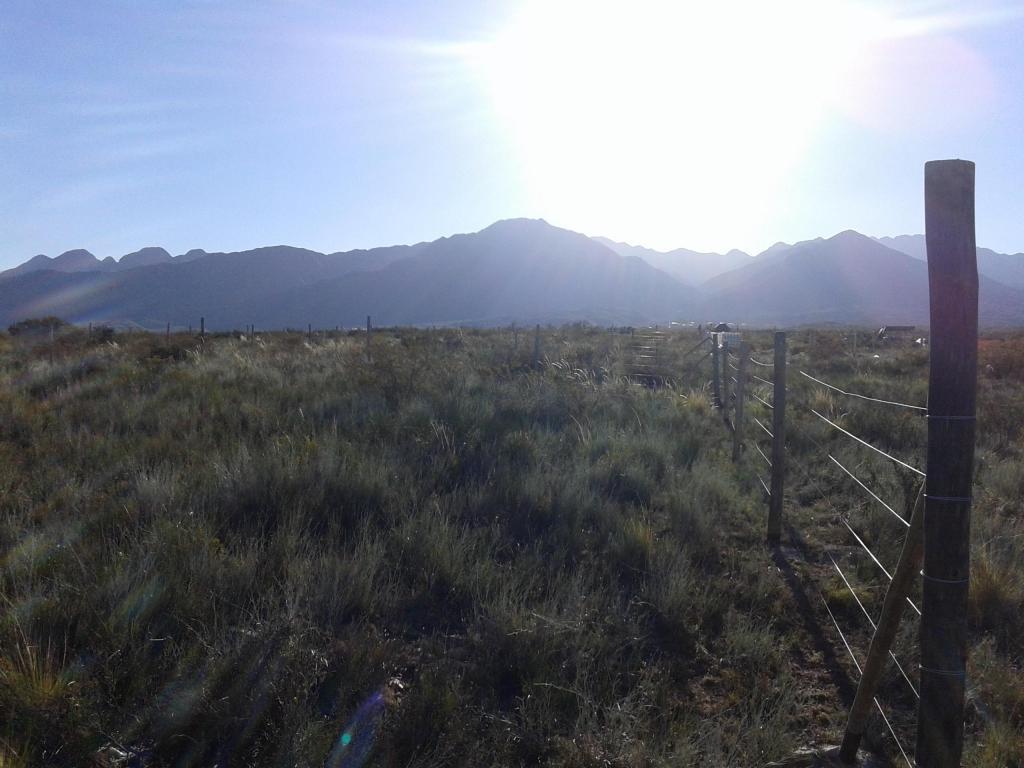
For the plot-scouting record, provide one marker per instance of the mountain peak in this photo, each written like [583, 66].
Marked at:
[75, 254]
[850, 236]
[144, 257]
[519, 224]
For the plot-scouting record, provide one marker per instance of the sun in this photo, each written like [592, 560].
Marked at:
[632, 117]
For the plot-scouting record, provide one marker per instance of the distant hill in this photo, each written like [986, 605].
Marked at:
[1005, 268]
[686, 266]
[81, 260]
[848, 278]
[215, 285]
[78, 260]
[517, 270]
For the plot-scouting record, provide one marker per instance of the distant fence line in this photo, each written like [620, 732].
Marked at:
[939, 519]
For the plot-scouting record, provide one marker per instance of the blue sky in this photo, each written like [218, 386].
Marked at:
[230, 125]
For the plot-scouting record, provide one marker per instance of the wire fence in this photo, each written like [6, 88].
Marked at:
[865, 525]
[846, 536]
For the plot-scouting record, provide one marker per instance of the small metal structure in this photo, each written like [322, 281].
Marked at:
[896, 332]
[647, 364]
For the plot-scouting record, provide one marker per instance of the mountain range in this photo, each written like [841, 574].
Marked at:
[516, 270]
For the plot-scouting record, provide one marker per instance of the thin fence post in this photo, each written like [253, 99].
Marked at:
[167, 334]
[725, 381]
[536, 347]
[716, 365]
[778, 441]
[202, 326]
[741, 375]
[309, 333]
[369, 329]
[952, 391]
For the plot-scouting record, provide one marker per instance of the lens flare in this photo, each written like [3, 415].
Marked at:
[359, 735]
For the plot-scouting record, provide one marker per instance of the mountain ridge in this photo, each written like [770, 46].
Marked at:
[514, 270]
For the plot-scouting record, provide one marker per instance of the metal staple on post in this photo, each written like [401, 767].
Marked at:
[778, 441]
[952, 392]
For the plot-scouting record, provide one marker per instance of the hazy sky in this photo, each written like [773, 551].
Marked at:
[229, 125]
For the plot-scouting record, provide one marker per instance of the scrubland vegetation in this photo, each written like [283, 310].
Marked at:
[274, 551]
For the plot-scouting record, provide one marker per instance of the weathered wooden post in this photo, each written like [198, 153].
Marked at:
[778, 440]
[202, 326]
[309, 333]
[167, 333]
[369, 329]
[952, 385]
[716, 364]
[741, 377]
[536, 347]
[885, 633]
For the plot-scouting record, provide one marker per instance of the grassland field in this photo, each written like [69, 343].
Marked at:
[275, 551]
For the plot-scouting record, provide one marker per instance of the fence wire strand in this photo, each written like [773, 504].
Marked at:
[863, 397]
[867, 444]
[853, 477]
[874, 626]
[856, 663]
[758, 449]
[867, 549]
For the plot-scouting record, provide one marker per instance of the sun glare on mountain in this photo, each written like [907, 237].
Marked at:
[671, 106]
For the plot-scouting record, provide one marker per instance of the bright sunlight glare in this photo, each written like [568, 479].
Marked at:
[627, 117]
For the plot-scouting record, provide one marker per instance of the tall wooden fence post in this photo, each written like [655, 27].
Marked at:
[952, 385]
[716, 367]
[741, 376]
[536, 347]
[202, 326]
[778, 441]
[167, 335]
